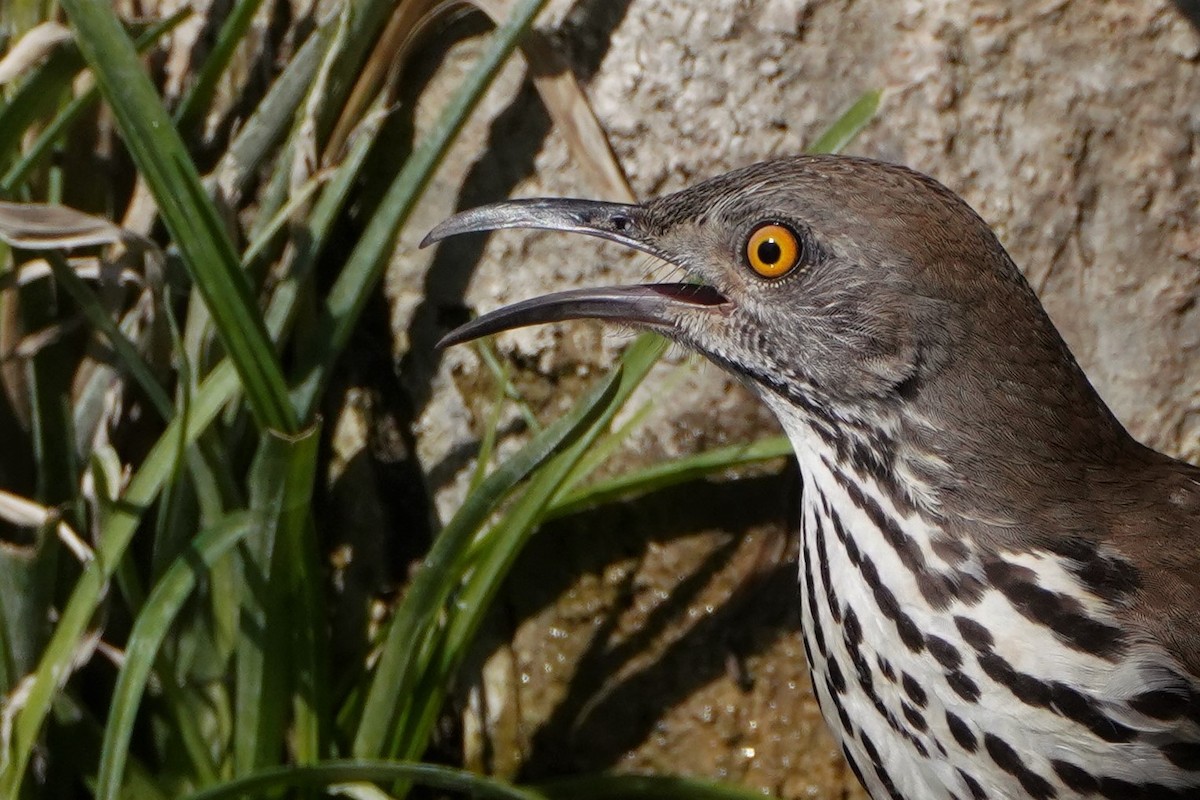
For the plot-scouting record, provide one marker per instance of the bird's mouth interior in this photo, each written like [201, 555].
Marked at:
[698, 294]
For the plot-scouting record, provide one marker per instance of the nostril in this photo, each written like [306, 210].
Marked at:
[621, 223]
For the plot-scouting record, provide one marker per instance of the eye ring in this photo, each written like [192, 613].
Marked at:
[773, 250]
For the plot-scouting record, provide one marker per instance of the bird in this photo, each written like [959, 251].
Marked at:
[999, 586]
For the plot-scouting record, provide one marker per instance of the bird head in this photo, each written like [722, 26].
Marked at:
[839, 280]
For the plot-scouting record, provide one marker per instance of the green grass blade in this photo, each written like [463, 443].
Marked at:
[269, 782]
[306, 614]
[488, 563]
[348, 296]
[55, 665]
[395, 675]
[41, 147]
[301, 197]
[487, 354]
[189, 215]
[503, 543]
[611, 441]
[849, 125]
[149, 630]
[261, 683]
[670, 473]
[24, 602]
[268, 668]
[487, 444]
[36, 98]
[218, 388]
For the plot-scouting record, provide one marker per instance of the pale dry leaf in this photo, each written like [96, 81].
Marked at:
[359, 791]
[31, 49]
[114, 475]
[31, 344]
[11, 705]
[142, 210]
[90, 268]
[391, 50]
[306, 160]
[183, 45]
[113, 654]
[128, 258]
[25, 513]
[40, 226]
[14, 378]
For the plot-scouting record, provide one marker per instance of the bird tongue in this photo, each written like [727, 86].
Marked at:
[655, 305]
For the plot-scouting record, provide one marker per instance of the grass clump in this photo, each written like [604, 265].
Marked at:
[168, 348]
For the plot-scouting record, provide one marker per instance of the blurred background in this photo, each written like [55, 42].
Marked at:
[189, 602]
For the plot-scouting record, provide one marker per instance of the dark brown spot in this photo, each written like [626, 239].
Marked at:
[973, 633]
[853, 765]
[1116, 789]
[1075, 778]
[913, 716]
[1159, 704]
[914, 690]
[837, 680]
[1084, 783]
[810, 601]
[963, 686]
[884, 778]
[1185, 755]
[1177, 702]
[869, 749]
[847, 723]
[1010, 761]
[852, 628]
[1078, 707]
[952, 551]
[1025, 688]
[831, 600]
[961, 732]
[977, 792]
[946, 654]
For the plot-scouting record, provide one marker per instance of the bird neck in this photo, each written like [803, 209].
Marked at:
[949, 448]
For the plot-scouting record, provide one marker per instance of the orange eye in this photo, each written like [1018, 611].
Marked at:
[772, 251]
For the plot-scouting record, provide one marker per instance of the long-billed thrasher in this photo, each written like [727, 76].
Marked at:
[999, 586]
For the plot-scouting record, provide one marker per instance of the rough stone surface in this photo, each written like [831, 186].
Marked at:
[662, 634]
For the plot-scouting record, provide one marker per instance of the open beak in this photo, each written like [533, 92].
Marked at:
[659, 306]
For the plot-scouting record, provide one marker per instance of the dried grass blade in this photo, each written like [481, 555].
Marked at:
[31, 49]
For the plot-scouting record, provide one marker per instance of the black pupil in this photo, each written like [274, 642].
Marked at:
[769, 252]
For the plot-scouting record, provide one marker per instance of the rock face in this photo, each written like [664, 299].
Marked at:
[662, 634]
